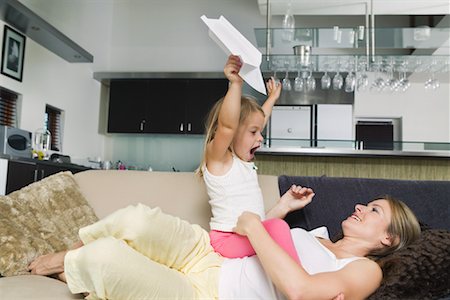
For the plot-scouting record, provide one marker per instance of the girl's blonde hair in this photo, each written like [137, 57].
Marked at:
[248, 106]
[404, 227]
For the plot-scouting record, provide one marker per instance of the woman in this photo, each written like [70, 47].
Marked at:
[141, 253]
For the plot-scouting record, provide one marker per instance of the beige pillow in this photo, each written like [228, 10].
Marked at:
[40, 218]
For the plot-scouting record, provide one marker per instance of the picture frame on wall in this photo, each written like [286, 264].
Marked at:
[13, 53]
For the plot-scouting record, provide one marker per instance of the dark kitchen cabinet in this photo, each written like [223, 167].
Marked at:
[22, 173]
[127, 105]
[162, 105]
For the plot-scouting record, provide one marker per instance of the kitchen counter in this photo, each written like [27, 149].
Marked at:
[336, 152]
[45, 162]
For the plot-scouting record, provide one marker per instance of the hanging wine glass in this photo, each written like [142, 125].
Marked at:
[432, 82]
[403, 83]
[338, 80]
[286, 85]
[379, 82]
[325, 80]
[391, 83]
[350, 82]
[310, 81]
[298, 82]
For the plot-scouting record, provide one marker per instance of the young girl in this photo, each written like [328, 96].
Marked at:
[233, 135]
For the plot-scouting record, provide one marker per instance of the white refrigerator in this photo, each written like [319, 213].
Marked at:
[291, 126]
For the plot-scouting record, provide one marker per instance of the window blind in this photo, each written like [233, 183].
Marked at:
[8, 108]
[54, 126]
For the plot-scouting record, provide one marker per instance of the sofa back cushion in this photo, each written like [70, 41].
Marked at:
[182, 194]
[335, 199]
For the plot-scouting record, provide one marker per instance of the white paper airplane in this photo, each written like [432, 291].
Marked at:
[233, 42]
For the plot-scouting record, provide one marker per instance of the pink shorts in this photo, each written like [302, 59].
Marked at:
[233, 245]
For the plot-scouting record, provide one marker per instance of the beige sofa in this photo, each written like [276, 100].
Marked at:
[180, 194]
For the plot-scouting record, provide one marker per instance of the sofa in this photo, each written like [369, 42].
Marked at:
[183, 194]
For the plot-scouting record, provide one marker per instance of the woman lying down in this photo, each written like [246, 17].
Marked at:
[141, 253]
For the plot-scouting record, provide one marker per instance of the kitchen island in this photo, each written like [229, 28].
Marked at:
[347, 162]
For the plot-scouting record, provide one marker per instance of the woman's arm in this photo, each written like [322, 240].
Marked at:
[52, 263]
[356, 281]
[295, 198]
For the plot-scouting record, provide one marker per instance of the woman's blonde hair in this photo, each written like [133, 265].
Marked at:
[404, 228]
[248, 106]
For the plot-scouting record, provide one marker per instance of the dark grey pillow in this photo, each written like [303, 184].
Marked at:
[419, 271]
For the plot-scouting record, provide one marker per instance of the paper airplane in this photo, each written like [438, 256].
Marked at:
[233, 42]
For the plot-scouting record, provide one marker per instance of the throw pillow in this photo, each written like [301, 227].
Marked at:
[419, 271]
[41, 218]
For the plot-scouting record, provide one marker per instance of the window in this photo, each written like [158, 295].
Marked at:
[53, 124]
[8, 108]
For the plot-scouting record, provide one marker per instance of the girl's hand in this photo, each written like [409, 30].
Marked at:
[297, 197]
[245, 221]
[232, 68]
[273, 88]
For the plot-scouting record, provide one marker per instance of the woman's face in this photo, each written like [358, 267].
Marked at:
[370, 223]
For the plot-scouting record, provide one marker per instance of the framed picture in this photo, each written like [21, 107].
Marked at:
[13, 53]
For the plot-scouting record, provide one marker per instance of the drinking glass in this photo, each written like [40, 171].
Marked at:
[288, 25]
[298, 83]
[287, 82]
[432, 83]
[325, 81]
[362, 81]
[403, 83]
[338, 81]
[310, 82]
[350, 82]
[379, 82]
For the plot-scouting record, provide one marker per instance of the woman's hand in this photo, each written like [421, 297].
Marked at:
[297, 197]
[232, 68]
[48, 264]
[245, 223]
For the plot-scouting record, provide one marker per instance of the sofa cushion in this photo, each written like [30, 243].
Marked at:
[419, 271]
[35, 287]
[40, 218]
[182, 194]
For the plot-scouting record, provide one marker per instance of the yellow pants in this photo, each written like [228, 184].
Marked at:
[141, 253]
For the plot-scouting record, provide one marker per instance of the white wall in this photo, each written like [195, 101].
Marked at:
[48, 79]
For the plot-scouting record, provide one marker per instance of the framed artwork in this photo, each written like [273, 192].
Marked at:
[13, 53]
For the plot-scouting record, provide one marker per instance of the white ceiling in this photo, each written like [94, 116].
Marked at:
[357, 7]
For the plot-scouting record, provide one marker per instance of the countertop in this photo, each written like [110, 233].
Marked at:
[308, 151]
[45, 162]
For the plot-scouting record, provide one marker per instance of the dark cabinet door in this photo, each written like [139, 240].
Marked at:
[166, 106]
[203, 94]
[162, 105]
[20, 174]
[127, 105]
[47, 170]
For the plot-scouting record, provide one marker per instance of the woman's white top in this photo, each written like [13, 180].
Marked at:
[244, 278]
[233, 193]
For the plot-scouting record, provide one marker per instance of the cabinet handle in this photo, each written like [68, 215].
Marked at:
[42, 173]
[181, 127]
[189, 127]
[35, 178]
[142, 125]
